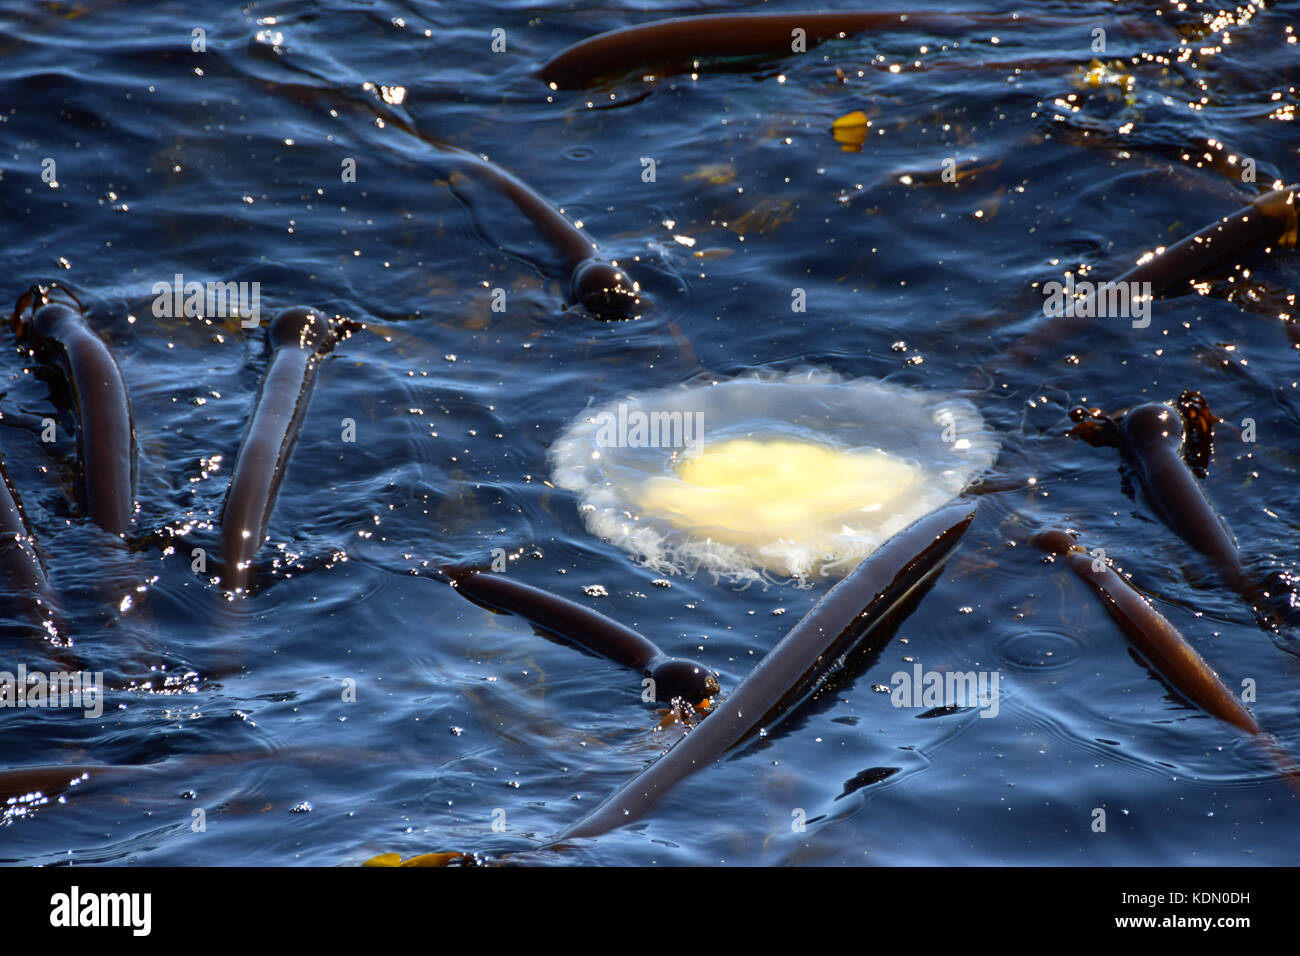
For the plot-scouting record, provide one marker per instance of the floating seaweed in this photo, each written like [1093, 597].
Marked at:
[671, 677]
[83, 370]
[593, 281]
[1150, 437]
[689, 44]
[792, 671]
[22, 573]
[1170, 655]
[1269, 221]
[597, 284]
[796, 666]
[300, 338]
[1167, 448]
[885, 462]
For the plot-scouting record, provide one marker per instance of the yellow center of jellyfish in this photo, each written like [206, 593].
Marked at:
[778, 488]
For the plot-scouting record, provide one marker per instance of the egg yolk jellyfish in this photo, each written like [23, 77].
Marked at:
[768, 474]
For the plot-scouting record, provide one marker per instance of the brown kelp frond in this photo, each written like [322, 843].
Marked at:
[300, 338]
[797, 665]
[1198, 431]
[36, 296]
[1159, 641]
[1163, 646]
[693, 44]
[1095, 427]
[670, 678]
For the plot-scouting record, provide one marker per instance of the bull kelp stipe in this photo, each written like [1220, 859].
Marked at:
[672, 677]
[1163, 645]
[796, 666]
[690, 44]
[81, 367]
[300, 338]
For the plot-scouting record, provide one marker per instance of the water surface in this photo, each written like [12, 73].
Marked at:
[225, 165]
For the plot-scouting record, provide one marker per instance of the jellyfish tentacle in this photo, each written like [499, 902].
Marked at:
[672, 677]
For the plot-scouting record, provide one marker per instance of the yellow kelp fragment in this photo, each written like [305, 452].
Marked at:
[424, 859]
[850, 131]
[716, 174]
[434, 859]
[1099, 75]
[766, 216]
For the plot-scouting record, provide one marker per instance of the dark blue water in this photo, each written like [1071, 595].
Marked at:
[225, 165]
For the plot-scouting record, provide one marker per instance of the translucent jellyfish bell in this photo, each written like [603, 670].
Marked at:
[768, 474]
